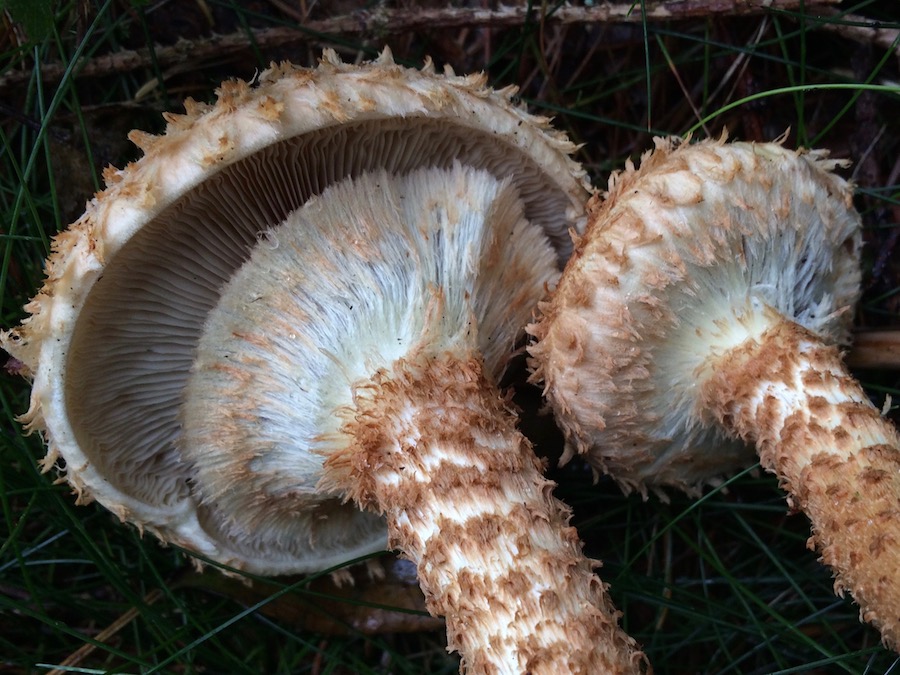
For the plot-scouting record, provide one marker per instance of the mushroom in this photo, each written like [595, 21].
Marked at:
[304, 294]
[700, 310]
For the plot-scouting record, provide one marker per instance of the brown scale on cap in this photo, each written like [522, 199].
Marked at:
[694, 321]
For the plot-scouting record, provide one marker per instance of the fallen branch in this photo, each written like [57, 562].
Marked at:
[387, 21]
[878, 349]
[860, 29]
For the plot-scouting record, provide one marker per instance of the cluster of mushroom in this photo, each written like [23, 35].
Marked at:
[306, 293]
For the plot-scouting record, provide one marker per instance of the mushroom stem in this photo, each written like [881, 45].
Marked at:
[437, 451]
[832, 451]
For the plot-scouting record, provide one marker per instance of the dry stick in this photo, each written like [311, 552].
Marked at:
[387, 21]
[859, 29]
[875, 349]
[80, 654]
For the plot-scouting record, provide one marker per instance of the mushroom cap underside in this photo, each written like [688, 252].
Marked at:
[377, 271]
[108, 350]
[687, 256]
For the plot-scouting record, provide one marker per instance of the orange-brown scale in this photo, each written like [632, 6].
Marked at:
[436, 449]
[844, 475]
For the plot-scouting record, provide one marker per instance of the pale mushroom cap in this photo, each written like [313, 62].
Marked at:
[390, 268]
[687, 255]
[108, 350]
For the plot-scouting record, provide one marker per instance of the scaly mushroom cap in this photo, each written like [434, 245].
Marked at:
[112, 334]
[697, 233]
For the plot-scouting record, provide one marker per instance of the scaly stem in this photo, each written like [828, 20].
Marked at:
[832, 451]
[438, 453]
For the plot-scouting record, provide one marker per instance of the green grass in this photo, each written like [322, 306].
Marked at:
[721, 585]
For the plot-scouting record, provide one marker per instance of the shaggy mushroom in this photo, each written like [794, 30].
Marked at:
[701, 309]
[306, 293]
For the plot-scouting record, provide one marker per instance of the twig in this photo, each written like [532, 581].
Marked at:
[79, 655]
[878, 349]
[859, 29]
[386, 21]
